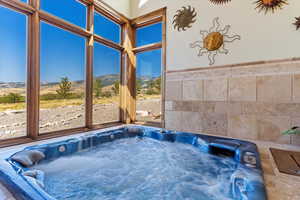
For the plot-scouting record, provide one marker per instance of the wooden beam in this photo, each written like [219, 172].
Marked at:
[63, 24]
[89, 68]
[33, 76]
[148, 23]
[148, 47]
[123, 77]
[148, 17]
[18, 6]
[108, 43]
[130, 92]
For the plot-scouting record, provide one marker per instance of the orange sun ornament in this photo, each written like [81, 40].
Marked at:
[270, 5]
[214, 40]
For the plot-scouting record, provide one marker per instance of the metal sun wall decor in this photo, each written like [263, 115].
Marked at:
[270, 5]
[220, 1]
[184, 18]
[297, 23]
[214, 40]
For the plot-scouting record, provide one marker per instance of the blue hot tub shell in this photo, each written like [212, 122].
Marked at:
[244, 186]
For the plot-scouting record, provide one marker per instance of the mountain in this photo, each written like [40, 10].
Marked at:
[12, 84]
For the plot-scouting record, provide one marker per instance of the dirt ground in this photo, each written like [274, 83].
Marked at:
[13, 123]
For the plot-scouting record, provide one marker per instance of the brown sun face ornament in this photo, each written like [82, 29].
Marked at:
[219, 2]
[270, 5]
[214, 40]
[297, 23]
[184, 18]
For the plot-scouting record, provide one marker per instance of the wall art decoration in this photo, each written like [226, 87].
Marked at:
[270, 5]
[297, 23]
[219, 1]
[184, 18]
[214, 40]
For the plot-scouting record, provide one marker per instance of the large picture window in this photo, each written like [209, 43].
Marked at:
[106, 85]
[149, 34]
[13, 63]
[106, 28]
[69, 10]
[62, 89]
[148, 86]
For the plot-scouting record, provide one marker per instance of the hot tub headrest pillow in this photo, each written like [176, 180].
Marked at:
[28, 157]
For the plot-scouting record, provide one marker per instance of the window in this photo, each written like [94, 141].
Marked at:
[106, 94]
[148, 86]
[106, 28]
[75, 12]
[62, 80]
[13, 62]
[149, 34]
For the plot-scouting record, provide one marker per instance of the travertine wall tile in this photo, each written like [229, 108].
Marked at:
[243, 126]
[274, 88]
[270, 128]
[173, 120]
[214, 123]
[173, 90]
[255, 102]
[296, 88]
[215, 89]
[169, 105]
[193, 90]
[242, 89]
[191, 121]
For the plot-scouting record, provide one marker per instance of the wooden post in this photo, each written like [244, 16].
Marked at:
[130, 99]
[89, 68]
[33, 72]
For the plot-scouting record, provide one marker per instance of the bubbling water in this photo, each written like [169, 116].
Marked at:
[139, 169]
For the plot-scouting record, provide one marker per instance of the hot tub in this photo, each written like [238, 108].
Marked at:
[136, 162]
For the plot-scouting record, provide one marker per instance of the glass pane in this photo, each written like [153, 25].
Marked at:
[148, 86]
[13, 62]
[106, 28]
[62, 80]
[106, 84]
[149, 34]
[70, 10]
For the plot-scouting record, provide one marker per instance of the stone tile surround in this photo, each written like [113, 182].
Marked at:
[255, 102]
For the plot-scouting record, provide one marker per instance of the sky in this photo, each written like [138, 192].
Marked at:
[62, 53]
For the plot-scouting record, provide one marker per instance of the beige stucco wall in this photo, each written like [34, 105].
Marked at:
[122, 6]
[263, 37]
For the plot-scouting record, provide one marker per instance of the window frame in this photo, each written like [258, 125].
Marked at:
[35, 16]
[158, 16]
[127, 66]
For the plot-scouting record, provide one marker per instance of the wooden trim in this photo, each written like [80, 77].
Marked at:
[148, 47]
[108, 43]
[147, 20]
[89, 68]
[57, 134]
[53, 20]
[18, 6]
[123, 77]
[163, 67]
[148, 23]
[246, 64]
[33, 76]
[148, 17]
